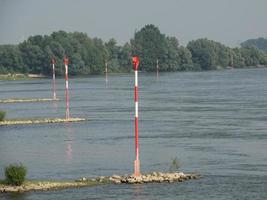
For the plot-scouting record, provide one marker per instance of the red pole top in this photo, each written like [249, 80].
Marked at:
[135, 60]
[66, 61]
[53, 61]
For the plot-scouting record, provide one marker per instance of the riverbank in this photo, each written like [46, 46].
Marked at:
[39, 121]
[155, 177]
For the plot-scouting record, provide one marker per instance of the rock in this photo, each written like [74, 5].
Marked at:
[116, 181]
[154, 174]
[131, 180]
[138, 179]
[123, 180]
[116, 177]
[160, 174]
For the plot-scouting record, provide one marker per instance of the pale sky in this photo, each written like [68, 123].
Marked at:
[227, 21]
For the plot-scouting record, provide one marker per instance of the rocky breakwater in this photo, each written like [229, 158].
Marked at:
[43, 186]
[155, 177]
[39, 121]
[26, 100]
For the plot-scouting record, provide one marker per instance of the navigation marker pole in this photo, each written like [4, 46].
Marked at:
[53, 61]
[157, 67]
[136, 162]
[66, 62]
[106, 70]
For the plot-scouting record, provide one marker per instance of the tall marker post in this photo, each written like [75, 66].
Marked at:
[106, 70]
[157, 67]
[137, 161]
[66, 62]
[53, 61]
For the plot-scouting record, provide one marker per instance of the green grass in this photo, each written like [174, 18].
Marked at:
[3, 182]
[2, 115]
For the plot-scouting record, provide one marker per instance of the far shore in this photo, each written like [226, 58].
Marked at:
[21, 76]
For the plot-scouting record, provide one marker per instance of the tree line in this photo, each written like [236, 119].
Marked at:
[89, 55]
[259, 43]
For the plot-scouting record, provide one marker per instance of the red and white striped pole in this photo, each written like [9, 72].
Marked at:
[157, 67]
[66, 62]
[54, 78]
[137, 161]
[106, 70]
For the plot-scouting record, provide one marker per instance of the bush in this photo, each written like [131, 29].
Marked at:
[15, 174]
[2, 115]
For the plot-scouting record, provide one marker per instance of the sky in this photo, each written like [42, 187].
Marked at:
[227, 21]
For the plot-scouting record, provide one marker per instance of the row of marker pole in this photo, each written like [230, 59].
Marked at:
[135, 65]
[66, 63]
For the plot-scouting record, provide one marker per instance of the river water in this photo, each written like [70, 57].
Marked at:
[214, 122]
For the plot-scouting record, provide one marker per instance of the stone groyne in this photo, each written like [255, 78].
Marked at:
[43, 186]
[154, 177]
[26, 100]
[39, 121]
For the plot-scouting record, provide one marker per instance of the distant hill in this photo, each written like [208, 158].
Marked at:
[260, 43]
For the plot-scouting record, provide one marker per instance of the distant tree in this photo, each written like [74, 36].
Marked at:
[89, 55]
[125, 57]
[186, 63]
[11, 59]
[32, 56]
[209, 54]
[260, 43]
[149, 44]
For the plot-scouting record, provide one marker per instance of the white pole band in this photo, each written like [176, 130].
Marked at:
[136, 78]
[136, 109]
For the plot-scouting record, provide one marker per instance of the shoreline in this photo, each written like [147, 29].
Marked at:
[154, 177]
[18, 76]
[39, 121]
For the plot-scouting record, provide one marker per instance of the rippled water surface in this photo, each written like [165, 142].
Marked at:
[215, 123]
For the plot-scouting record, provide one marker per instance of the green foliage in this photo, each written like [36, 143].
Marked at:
[2, 115]
[260, 43]
[175, 165]
[208, 54]
[15, 174]
[149, 44]
[89, 55]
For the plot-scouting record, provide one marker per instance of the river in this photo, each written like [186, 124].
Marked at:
[214, 123]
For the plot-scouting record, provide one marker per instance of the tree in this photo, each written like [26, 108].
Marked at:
[209, 54]
[260, 43]
[89, 55]
[11, 59]
[32, 56]
[149, 44]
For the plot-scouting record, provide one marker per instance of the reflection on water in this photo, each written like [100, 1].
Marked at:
[214, 121]
[69, 141]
